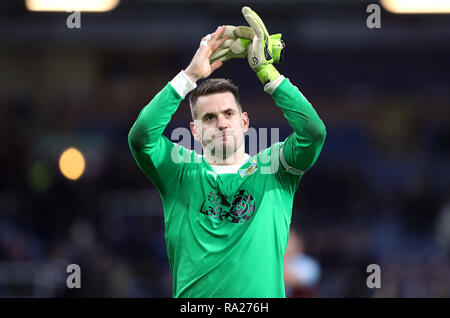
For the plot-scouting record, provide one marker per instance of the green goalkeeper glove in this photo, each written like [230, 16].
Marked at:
[237, 43]
[234, 46]
[260, 53]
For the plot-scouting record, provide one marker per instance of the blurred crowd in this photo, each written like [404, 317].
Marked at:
[378, 194]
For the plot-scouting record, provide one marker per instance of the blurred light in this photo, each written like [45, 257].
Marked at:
[71, 5]
[417, 6]
[72, 163]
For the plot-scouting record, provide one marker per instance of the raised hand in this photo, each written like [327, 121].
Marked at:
[200, 66]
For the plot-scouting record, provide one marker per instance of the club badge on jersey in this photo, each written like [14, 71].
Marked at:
[250, 170]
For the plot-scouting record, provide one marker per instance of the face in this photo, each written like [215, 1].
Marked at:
[219, 126]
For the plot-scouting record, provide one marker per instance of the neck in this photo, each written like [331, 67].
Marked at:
[234, 159]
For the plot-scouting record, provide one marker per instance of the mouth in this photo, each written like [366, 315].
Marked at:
[224, 136]
[222, 139]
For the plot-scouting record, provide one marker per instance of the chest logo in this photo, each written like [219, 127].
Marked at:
[240, 210]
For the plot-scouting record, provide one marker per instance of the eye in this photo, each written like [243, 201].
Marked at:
[229, 114]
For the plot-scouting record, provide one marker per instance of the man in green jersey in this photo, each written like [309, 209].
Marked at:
[226, 214]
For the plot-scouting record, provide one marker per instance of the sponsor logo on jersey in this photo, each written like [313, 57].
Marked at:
[240, 210]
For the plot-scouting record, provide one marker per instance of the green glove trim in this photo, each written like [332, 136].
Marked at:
[277, 48]
[266, 73]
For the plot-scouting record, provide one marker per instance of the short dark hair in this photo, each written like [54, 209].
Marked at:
[213, 86]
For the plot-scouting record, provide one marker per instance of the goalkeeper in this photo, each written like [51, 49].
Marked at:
[227, 214]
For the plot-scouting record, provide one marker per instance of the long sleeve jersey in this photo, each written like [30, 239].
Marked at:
[226, 234]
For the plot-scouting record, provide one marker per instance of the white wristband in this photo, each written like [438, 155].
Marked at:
[182, 84]
[272, 86]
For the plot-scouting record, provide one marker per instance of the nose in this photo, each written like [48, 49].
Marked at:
[222, 122]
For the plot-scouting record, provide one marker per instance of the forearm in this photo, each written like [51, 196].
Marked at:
[154, 118]
[152, 151]
[301, 148]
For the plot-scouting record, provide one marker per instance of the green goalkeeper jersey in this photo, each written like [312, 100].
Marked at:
[226, 234]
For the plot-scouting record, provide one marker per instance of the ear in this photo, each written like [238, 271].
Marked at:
[194, 131]
[245, 121]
